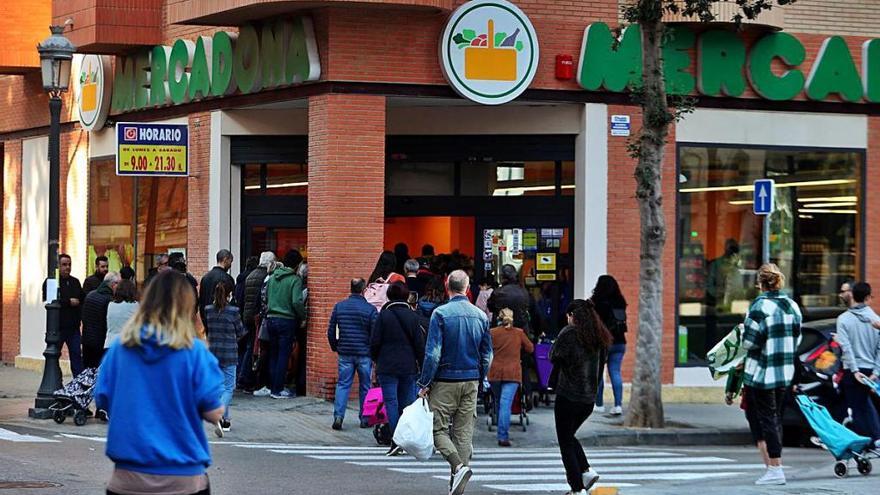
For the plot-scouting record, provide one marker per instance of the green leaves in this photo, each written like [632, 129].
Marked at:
[499, 38]
[468, 34]
[519, 46]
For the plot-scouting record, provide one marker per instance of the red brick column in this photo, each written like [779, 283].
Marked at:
[346, 213]
[10, 310]
[871, 202]
[197, 255]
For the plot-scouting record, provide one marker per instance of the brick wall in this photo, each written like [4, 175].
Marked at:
[624, 239]
[346, 212]
[11, 309]
[845, 17]
[24, 23]
[25, 105]
[197, 197]
[872, 202]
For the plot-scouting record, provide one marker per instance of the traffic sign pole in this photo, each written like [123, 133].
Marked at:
[763, 204]
[766, 240]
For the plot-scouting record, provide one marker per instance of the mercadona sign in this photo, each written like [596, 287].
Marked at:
[274, 54]
[724, 66]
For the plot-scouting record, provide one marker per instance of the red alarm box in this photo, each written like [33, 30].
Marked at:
[564, 67]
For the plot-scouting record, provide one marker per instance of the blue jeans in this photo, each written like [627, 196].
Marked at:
[347, 367]
[281, 335]
[228, 387]
[615, 358]
[398, 391]
[72, 338]
[504, 393]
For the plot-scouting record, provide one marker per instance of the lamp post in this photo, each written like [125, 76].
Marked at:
[56, 54]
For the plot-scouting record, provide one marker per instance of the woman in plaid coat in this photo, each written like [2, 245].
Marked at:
[772, 333]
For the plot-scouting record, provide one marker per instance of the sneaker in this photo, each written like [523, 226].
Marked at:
[504, 443]
[394, 451]
[616, 411]
[599, 409]
[263, 392]
[460, 479]
[365, 423]
[337, 423]
[774, 476]
[225, 424]
[818, 442]
[284, 394]
[218, 429]
[590, 478]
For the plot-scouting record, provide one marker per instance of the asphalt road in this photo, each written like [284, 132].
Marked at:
[77, 465]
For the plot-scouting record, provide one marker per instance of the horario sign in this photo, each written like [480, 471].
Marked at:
[720, 63]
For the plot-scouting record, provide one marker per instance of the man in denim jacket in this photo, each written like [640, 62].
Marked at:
[458, 354]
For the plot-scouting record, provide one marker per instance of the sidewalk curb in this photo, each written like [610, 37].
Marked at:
[631, 437]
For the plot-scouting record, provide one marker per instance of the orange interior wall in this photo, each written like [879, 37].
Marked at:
[444, 233]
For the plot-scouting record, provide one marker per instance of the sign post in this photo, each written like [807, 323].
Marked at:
[763, 205]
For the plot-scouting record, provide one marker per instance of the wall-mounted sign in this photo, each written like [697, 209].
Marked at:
[489, 51]
[277, 53]
[152, 149]
[620, 125]
[719, 63]
[92, 91]
[545, 277]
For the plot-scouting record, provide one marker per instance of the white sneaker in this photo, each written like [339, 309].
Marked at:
[263, 392]
[284, 394]
[774, 476]
[460, 480]
[590, 478]
[599, 409]
[616, 411]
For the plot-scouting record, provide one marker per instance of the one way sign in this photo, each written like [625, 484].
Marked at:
[763, 197]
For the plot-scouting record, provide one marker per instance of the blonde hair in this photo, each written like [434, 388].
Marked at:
[166, 312]
[770, 277]
[506, 316]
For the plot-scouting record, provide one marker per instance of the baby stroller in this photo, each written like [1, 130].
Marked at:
[75, 397]
[518, 408]
[843, 443]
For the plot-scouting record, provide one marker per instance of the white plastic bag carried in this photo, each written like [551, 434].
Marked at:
[415, 430]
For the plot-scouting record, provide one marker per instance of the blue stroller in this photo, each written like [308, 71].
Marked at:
[843, 443]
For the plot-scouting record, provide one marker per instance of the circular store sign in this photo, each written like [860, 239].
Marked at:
[93, 98]
[489, 51]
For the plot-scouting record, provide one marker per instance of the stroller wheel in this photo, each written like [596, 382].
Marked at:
[840, 469]
[864, 466]
[58, 416]
[79, 418]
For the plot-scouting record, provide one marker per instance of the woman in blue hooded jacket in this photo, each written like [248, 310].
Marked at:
[158, 382]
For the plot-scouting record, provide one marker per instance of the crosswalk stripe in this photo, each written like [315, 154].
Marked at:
[608, 469]
[612, 477]
[512, 456]
[11, 436]
[549, 462]
[551, 487]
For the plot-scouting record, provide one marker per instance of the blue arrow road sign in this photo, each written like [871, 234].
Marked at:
[763, 197]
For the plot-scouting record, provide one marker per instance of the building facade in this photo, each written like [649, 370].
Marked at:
[498, 130]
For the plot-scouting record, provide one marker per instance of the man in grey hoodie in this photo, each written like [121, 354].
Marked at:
[860, 343]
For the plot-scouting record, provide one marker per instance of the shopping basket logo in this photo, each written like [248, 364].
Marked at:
[92, 90]
[489, 51]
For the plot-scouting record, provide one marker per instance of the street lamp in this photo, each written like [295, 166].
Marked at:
[56, 54]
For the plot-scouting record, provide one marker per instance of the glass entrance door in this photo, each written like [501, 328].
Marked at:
[276, 233]
[541, 252]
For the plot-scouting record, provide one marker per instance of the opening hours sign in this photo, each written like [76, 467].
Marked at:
[152, 149]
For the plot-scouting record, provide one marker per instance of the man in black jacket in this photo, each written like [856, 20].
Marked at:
[511, 295]
[216, 275]
[94, 319]
[71, 298]
[102, 266]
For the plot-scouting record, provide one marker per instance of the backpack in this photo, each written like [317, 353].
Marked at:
[617, 321]
[376, 293]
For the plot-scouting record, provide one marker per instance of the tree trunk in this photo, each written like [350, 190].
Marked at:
[646, 406]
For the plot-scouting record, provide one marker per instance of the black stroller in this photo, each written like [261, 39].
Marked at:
[75, 398]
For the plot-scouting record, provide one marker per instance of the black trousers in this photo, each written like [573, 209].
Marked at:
[764, 413]
[866, 420]
[569, 416]
[91, 356]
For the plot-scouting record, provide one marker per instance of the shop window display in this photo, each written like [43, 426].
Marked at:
[815, 234]
[133, 219]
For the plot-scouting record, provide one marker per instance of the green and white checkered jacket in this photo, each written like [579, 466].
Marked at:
[772, 334]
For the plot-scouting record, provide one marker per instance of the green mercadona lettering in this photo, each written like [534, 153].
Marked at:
[724, 66]
[273, 54]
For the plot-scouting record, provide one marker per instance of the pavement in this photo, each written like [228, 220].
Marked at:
[307, 420]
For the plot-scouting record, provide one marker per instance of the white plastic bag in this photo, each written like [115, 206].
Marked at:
[415, 430]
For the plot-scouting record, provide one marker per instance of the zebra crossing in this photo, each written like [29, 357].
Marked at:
[535, 470]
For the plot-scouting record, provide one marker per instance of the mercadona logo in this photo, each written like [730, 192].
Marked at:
[489, 51]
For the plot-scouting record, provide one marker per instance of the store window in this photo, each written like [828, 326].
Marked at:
[133, 219]
[815, 234]
[420, 179]
[480, 178]
[275, 179]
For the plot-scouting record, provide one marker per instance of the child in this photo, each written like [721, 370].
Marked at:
[224, 329]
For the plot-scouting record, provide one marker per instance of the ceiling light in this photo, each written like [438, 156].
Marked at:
[830, 198]
[842, 212]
